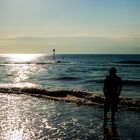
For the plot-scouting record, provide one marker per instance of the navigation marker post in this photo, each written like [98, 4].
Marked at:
[54, 54]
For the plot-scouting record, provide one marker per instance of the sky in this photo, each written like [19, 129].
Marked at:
[70, 26]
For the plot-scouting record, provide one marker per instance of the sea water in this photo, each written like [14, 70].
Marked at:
[23, 117]
[73, 72]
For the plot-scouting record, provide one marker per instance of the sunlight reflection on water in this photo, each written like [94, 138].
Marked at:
[18, 120]
[19, 69]
[19, 75]
[24, 117]
[21, 57]
[22, 72]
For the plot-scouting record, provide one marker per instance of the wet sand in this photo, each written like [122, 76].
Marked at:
[30, 113]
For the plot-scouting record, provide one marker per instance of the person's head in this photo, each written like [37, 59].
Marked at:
[112, 71]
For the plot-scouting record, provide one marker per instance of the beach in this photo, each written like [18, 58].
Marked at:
[27, 117]
[69, 69]
[42, 99]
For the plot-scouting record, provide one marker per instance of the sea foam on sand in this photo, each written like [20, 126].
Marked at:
[79, 97]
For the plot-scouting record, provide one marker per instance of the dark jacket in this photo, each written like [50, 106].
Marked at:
[112, 86]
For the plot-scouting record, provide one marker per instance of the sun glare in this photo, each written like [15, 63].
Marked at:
[22, 57]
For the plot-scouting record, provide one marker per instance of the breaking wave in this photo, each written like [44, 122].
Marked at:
[67, 78]
[79, 97]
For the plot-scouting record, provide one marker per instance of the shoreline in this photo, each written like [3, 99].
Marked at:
[78, 97]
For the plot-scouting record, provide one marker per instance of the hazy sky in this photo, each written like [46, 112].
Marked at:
[70, 26]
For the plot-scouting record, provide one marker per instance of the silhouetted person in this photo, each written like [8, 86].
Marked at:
[112, 89]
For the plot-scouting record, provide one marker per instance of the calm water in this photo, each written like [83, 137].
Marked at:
[24, 117]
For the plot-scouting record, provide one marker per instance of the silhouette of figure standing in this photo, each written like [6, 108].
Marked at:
[112, 89]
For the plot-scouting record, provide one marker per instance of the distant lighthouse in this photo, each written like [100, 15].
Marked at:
[54, 54]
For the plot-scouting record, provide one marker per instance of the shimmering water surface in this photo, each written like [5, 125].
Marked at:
[78, 72]
[28, 118]
[23, 117]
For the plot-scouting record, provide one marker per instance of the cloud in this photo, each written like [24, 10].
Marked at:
[74, 36]
[24, 38]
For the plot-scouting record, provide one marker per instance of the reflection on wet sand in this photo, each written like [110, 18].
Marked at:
[110, 131]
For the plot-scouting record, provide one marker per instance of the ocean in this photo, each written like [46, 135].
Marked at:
[25, 117]
[74, 72]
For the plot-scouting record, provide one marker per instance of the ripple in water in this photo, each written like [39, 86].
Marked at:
[24, 118]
